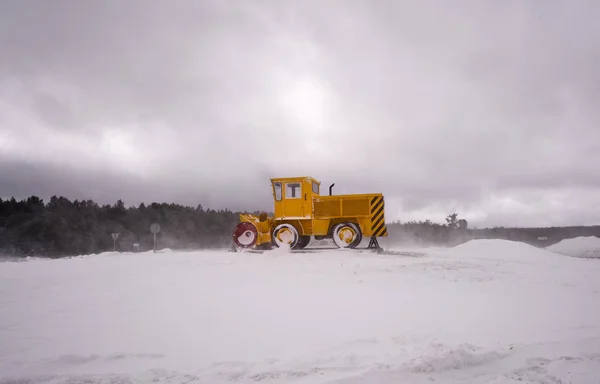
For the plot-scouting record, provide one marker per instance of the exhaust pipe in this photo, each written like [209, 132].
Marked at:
[330, 188]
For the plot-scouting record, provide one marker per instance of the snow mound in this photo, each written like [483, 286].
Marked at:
[500, 249]
[583, 246]
[466, 356]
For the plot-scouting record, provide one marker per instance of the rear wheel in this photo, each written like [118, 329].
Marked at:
[347, 235]
[285, 235]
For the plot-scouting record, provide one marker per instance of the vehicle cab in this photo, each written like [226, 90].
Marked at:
[293, 197]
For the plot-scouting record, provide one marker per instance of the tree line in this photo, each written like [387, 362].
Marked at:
[61, 227]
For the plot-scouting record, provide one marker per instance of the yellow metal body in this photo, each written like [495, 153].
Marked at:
[298, 202]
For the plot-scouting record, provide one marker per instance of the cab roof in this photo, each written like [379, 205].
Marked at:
[297, 178]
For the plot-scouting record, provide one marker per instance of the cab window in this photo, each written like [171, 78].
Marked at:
[315, 188]
[293, 190]
[277, 188]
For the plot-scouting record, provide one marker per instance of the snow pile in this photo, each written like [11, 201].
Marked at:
[464, 357]
[584, 246]
[501, 249]
[482, 312]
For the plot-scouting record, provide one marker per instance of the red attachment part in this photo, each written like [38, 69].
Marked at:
[245, 235]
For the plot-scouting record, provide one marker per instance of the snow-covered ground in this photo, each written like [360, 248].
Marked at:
[584, 246]
[487, 311]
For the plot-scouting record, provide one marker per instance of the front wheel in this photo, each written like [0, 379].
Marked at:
[285, 235]
[347, 235]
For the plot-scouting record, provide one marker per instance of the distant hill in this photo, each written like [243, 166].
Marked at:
[426, 232]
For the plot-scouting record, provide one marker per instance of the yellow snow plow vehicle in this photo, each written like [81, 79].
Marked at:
[301, 212]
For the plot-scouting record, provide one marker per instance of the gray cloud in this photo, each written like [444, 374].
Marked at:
[488, 109]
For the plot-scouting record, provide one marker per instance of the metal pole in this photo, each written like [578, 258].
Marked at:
[154, 242]
[114, 245]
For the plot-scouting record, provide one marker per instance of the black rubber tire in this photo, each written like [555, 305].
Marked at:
[358, 240]
[302, 242]
[294, 230]
[359, 235]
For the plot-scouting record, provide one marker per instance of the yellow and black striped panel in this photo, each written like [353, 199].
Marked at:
[378, 227]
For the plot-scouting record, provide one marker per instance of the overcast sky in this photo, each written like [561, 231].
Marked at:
[488, 109]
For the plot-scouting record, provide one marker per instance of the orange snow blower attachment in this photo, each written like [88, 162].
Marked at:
[252, 230]
[245, 235]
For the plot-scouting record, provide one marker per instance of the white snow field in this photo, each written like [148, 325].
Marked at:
[487, 311]
[583, 246]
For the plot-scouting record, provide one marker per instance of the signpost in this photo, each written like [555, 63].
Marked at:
[115, 236]
[155, 228]
[136, 247]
